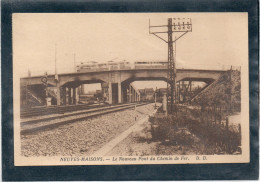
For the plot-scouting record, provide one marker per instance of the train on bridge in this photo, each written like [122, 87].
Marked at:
[122, 65]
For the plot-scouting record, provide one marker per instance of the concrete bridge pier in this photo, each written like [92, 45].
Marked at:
[130, 93]
[119, 88]
[77, 94]
[124, 92]
[119, 93]
[82, 89]
[64, 95]
[58, 94]
[133, 94]
[114, 88]
[110, 96]
[69, 96]
[138, 97]
[104, 88]
[110, 91]
[74, 95]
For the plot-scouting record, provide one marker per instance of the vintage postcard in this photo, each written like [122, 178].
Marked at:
[130, 88]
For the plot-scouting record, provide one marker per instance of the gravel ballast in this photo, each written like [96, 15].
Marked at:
[83, 137]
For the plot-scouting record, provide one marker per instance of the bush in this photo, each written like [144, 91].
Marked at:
[185, 128]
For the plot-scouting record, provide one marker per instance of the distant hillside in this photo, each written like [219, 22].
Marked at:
[227, 88]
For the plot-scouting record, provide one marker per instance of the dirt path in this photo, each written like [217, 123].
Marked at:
[140, 143]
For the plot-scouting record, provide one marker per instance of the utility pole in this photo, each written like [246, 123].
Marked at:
[44, 80]
[55, 59]
[180, 26]
[57, 79]
[155, 97]
[75, 67]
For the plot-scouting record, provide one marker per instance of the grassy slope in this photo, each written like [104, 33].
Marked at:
[222, 91]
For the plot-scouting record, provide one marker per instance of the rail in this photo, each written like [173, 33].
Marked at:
[52, 110]
[34, 125]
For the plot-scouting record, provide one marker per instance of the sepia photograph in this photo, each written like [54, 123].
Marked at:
[130, 88]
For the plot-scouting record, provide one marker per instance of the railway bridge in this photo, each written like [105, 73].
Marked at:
[116, 83]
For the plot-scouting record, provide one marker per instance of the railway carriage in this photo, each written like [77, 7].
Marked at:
[150, 65]
[103, 67]
[123, 65]
[87, 67]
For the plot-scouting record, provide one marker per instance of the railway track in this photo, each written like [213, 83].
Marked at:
[29, 126]
[40, 111]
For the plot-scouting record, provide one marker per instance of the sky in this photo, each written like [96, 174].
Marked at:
[216, 39]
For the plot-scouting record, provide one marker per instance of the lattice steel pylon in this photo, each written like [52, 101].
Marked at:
[175, 25]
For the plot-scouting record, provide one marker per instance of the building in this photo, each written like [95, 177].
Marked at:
[146, 94]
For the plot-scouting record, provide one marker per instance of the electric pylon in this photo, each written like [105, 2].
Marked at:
[181, 26]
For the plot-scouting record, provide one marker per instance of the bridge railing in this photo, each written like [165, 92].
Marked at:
[209, 67]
